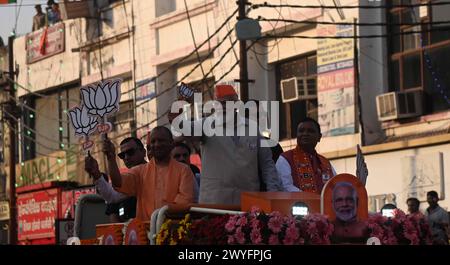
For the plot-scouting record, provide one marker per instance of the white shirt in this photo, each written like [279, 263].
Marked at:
[106, 190]
[284, 173]
[435, 218]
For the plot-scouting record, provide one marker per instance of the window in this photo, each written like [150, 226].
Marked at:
[305, 70]
[434, 90]
[411, 40]
[440, 15]
[121, 120]
[411, 75]
[395, 75]
[417, 59]
[163, 7]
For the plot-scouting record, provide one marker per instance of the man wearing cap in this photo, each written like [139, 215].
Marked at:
[230, 163]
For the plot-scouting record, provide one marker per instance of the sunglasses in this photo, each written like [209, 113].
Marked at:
[129, 152]
[181, 155]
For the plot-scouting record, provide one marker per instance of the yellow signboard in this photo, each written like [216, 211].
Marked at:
[65, 165]
[42, 169]
[331, 51]
[4, 210]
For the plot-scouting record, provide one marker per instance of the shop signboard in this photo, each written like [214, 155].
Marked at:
[4, 210]
[42, 169]
[45, 42]
[36, 214]
[336, 80]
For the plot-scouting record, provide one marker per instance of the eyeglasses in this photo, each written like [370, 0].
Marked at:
[129, 152]
[181, 155]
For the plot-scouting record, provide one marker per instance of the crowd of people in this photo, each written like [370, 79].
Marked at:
[231, 164]
[436, 216]
[52, 15]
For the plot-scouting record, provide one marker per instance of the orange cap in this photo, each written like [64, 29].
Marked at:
[224, 92]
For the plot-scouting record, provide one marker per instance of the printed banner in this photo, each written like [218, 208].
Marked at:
[44, 43]
[42, 169]
[4, 210]
[336, 81]
[70, 198]
[145, 89]
[36, 214]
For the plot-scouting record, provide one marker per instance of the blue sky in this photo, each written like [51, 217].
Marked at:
[24, 15]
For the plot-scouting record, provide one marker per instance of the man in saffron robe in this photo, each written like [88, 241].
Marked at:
[161, 181]
[303, 169]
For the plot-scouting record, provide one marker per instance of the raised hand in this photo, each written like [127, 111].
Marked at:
[91, 167]
[109, 149]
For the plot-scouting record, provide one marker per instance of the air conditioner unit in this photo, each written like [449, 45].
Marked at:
[297, 88]
[398, 105]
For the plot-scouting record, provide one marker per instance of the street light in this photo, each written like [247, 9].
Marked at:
[388, 210]
[300, 209]
[121, 211]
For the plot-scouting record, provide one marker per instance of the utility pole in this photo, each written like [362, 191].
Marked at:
[12, 146]
[357, 87]
[243, 68]
[134, 124]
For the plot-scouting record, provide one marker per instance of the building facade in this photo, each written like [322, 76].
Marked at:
[386, 90]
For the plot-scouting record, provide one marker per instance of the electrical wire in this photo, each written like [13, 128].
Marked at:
[138, 128]
[31, 138]
[229, 37]
[266, 5]
[177, 63]
[276, 44]
[195, 44]
[269, 36]
[373, 24]
[193, 69]
[17, 16]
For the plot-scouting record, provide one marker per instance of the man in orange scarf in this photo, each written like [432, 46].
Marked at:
[303, 169]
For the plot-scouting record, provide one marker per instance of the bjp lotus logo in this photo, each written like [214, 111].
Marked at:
[82, 122]
[102, 100]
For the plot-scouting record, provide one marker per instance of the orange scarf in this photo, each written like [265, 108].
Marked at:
[309, 172]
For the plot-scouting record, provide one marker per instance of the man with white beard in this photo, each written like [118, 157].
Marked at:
[347, 227]
[231, 154]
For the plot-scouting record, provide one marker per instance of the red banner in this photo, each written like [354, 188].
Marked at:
[67, 205]
[36, 214]
[336, 80]
[45, 42]
[70, 198]
[7, 1]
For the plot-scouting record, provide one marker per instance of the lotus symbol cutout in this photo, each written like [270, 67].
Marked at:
[83, 124]
[102, 100]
